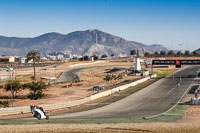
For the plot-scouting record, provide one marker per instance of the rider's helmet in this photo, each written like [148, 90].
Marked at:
[32, 105]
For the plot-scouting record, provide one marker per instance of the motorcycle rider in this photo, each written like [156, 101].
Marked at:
[34, 108]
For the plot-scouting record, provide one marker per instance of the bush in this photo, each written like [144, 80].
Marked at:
[4, 104]
[35, 96]
[36, 89]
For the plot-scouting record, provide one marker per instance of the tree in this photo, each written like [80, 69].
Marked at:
[104, 56]
[14, 87]
[179, 53]
[156, 53]
[147, 54]
[162, 53]
[132, 52]
[170, 53]
[36, 89]
[95, 57]
[187, 53]
[195, 53]
[86, 57]
[35, 56]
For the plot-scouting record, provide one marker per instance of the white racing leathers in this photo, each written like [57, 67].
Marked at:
[39, 113]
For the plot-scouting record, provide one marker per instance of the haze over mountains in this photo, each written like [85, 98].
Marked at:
[75, 43]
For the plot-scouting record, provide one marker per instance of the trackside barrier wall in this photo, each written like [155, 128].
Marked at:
[81, 64]
[123, 87]
[102, 94]
[26, 109]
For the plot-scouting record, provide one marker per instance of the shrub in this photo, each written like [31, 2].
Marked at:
[4, 104]
[36, 89]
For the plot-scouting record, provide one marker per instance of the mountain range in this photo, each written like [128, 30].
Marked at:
[87, 42]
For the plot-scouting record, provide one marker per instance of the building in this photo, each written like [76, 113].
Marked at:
[7, 59]
[23, 60]
[137, 63]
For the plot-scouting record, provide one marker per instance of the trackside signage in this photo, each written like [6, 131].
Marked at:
[164, 62]
[178, 63]
[190, 62]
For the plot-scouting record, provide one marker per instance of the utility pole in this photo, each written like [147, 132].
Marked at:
[96, 38]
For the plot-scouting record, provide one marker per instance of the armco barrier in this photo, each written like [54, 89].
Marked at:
[26, 109]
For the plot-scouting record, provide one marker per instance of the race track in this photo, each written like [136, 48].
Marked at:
[152, 100]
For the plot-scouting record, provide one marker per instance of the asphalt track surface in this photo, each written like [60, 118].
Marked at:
[68, 76]
[152, 100]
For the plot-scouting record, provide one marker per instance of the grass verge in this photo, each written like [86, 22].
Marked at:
[175, 114]
[116, 97]
[122, 94]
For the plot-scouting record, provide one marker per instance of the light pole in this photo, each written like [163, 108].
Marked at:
[11, 88]
[55, 73]
[180, 49]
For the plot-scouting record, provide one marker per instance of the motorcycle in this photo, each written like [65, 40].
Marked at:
[38, 112]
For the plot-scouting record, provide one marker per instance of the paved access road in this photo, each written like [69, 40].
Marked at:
[152, 100]
[69, 76]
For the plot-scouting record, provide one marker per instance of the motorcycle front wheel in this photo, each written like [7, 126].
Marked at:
[38, 116]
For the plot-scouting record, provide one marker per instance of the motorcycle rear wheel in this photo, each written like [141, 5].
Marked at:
[38, 116]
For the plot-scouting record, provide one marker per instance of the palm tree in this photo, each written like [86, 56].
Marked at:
[35, 56]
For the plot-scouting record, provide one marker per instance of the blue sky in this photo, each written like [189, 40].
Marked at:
[167, 22]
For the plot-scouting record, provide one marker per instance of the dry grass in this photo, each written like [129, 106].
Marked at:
[57, 93]
[105, 128]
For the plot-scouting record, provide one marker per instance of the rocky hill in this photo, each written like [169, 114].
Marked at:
[78, 42]
[198, 50]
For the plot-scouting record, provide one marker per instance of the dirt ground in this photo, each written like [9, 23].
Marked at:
[192, 115]
[190, 123]
[58, 93]
[103, 128]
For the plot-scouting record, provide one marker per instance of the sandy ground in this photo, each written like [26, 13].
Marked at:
[192, 115]
[103, 128]
[190, 123]
[57, 93]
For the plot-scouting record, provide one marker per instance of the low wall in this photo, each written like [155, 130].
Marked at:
[26, 109]
[82, 64]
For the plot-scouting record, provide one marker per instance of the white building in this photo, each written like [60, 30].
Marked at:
[23, 60]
